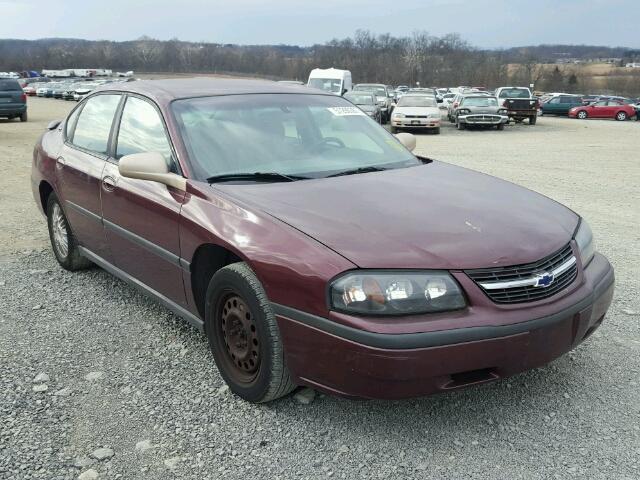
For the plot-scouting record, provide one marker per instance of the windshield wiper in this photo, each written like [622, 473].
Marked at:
[256, 176]
[356, 171]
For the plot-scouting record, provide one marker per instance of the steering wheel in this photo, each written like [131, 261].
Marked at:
[329, 141]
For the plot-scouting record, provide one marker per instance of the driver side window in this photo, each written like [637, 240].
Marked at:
[141, 130]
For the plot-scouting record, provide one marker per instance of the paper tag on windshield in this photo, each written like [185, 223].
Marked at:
[344, 111]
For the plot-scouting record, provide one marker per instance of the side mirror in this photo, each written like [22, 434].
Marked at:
[407, 139]
[150, 166]
[53, 124]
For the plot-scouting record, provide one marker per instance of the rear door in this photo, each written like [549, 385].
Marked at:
[79, 168]
[142, 218]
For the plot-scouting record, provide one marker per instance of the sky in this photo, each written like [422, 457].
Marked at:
[483, 23]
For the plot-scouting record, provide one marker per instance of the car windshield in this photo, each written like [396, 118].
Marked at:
[292, 134]
[332, 85]
[379, 91]
[417, 101]
[515, 93]
[360, 99]
[479, 102]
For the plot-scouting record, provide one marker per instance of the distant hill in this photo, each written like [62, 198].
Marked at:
[553, 53]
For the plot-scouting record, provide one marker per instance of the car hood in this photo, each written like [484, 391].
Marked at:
[431, 216]
[417, 110]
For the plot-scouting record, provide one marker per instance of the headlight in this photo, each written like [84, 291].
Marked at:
[396, 293]
[584, 239]
[398, 115]
[502, 111]
[464, 111]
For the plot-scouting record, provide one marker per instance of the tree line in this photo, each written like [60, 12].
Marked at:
[430, 60]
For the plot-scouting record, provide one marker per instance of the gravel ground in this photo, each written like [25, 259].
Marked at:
[99, 382]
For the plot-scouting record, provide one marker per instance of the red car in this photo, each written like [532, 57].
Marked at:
[604, 109]
[310, 245]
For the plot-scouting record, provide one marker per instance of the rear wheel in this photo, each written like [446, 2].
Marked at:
[621, 116]
[500, 126]
[244, 336]
[532, 120]
[63, 242]
[582, 115]
[23, 117]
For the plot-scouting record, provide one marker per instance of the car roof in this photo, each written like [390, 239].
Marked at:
[164, 91]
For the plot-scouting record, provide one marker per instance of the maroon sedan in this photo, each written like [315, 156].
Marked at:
[312, 246]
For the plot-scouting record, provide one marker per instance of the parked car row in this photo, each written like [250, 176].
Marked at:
[72, 89]
[590, 106]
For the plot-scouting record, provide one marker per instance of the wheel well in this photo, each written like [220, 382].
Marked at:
[45, 190]
[207, 260]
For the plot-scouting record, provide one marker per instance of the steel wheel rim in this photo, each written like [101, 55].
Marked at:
[239, 338]
[59, 229]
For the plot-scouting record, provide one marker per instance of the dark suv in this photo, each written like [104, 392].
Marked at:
[13, 101]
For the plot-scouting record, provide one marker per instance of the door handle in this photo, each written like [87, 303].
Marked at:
[60, 163]
[108, 183]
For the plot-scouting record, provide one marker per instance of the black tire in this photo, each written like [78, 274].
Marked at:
[393, 130]
[23, 117]
[69, 258]
[500, 126]
[258, 373]
[582, 115]
[460, 125]
[621, 116]
[532, 120]
[436, 131]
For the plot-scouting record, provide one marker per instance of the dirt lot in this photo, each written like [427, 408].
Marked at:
[125, 374]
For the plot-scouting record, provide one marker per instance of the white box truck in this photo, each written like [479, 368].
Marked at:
[331, 80]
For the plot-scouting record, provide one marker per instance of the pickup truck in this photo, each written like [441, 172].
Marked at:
[519, 102]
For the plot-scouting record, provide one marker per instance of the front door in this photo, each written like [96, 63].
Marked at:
[79, 168]
[141, 217]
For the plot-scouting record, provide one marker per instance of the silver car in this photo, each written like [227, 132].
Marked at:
[480, 110]
[382, 95]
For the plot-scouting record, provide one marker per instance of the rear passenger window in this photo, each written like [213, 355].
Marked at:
[94, 123]
[142, 130]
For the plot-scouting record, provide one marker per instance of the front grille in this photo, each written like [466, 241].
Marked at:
[482, 118]
[527, 293]
[416, 116]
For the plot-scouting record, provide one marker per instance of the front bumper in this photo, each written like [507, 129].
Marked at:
[483, 119]
[415, 122]
[346, 361]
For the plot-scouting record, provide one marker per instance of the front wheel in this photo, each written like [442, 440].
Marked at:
[621, 116]
[460, 125]
[532, 120]
[582, 115]
[436, 131]
[244, 336]
[500, 126]
[394, 130]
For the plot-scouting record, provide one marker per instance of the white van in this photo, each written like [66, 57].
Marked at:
[331, 80]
